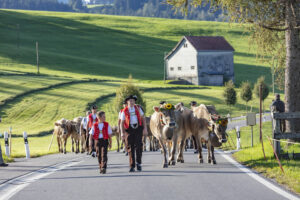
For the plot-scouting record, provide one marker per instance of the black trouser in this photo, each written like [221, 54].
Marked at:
[134, 144]
[101, 146]
[91, 147]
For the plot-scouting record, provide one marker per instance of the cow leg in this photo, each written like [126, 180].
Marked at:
[77, 144]
[164, 151]
[172, 158]
[180, 151]
[65, 145]
[73, 141]
[209, 151]
[213, 155]
[59, 144]
[199, 145]
[151, 143]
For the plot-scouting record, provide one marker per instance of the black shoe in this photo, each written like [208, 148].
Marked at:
[3, 165]
[104, 171]
[196, 151]
[132, 169]
[93, 154]
[139, 168]
[126, 154]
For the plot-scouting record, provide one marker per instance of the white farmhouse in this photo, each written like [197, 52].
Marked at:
[201, 60]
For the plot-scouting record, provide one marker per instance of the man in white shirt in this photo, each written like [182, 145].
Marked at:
[119, 128]
[92, 119]
[101, 133]
[133, 127]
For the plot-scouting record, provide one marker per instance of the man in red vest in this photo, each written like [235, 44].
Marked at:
[133, 126]
[101, 133]
[92, 119]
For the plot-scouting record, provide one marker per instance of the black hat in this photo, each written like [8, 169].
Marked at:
[131, 97]
[193, 103]
[277, 96]
[94, 107]
[162, 102]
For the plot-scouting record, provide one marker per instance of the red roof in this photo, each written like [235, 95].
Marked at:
[210, 43]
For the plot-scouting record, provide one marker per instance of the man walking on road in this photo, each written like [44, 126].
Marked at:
[133, 127]
[101, 133]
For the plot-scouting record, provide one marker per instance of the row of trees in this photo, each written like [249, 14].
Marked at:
[50, 5]
[246, 93]
[157, 8]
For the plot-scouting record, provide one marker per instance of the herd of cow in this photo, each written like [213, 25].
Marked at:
[169, 126]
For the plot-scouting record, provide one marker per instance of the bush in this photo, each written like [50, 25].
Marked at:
[246, 92]
[229, 93]
[265, 88]
[129, 89]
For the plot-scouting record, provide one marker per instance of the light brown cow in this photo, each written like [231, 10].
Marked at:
[62, 134]
[74, 129]
[163, 125]
[152, 140]
[198, 127]
[218, 126]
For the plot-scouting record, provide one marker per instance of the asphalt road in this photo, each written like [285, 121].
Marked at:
[80, 179]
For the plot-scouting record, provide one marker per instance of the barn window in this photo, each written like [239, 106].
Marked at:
[172, 68]
[192, 67]
[185, 45]
[179, 68]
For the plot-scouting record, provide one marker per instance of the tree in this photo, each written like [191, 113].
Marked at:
[264, 89]
[246, 92]
[129, 89]
[229, 94]
[275, 29]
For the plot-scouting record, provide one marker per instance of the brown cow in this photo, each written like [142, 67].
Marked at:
[152, 140]
[62, 134]
[218, 126]
[116, 132]
[163, 125]
[74, 129]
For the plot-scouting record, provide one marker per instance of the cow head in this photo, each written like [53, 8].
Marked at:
[63, 127]
[167, 116]
[219, 126]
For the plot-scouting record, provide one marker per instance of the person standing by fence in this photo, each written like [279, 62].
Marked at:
[278, 106]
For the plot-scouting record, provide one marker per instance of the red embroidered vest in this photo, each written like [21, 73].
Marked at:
[104, 131]
[127, 116]
[92, 121]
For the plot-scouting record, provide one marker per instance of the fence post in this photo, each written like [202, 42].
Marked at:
[7, 152]
[26, 145]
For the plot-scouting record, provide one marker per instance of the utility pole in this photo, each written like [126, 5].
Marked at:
[165, 67]
[37, 58]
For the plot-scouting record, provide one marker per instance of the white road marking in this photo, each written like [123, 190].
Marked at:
[255, 176]
[12, 187]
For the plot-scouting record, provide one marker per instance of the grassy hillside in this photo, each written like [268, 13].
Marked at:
[89, 45]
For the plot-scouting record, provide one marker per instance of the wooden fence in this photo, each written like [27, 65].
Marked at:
[277, 133]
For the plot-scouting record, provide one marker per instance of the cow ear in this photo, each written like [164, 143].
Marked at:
[156, 108]
[57, 124]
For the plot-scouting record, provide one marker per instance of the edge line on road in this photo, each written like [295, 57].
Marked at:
[13, 186]
[258, 178]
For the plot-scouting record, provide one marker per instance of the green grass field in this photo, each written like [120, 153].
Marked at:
[92, 45]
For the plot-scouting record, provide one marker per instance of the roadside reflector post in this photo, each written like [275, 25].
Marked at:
[7, 152]
[238, 137]
[26, 145]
